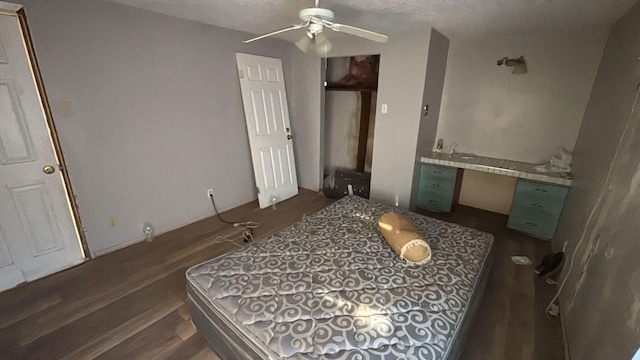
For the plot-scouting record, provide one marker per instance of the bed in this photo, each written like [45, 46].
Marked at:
[330, 287]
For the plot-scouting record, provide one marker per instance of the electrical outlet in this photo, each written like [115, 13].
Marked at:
[113, 222]
[210, 193]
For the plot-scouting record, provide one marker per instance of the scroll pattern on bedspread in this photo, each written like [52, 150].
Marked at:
[330, 287]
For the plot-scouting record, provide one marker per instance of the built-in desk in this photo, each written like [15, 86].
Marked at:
[517, 169]
[538, 198]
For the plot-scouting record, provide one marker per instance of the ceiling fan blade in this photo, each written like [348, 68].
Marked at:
[294, 27]
[352, 30]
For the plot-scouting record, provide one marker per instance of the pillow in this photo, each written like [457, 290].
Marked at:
[404, 238]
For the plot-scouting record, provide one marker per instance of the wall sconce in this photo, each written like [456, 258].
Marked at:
[519, 65]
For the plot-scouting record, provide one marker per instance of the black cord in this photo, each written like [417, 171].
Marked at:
[249, 226]
[218, 215]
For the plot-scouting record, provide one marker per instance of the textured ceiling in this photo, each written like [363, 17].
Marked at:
[452, 17]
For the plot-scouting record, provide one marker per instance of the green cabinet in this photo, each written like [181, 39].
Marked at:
[536, 207]
[439, 187]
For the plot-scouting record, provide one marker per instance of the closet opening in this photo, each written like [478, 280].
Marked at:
[350, 111]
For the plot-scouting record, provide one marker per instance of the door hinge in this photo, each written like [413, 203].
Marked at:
[241, 74]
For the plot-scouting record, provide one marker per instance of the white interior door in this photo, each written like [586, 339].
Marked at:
[268, 126]
[37, 232]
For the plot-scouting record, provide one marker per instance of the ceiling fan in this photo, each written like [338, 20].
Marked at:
[315, 19]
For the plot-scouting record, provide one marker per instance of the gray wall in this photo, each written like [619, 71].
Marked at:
[307, 110]
[432, 96]
[601, 302]
[489, 111]
[403, 62]
[157, 117]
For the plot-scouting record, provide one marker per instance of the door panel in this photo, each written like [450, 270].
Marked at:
[285, 157]
[10, 274]
[37, 230]
[15, 142]
[259, 113]
[39, 227]
[267, 116]
[267, 169]
[5, 257]
[277, 111]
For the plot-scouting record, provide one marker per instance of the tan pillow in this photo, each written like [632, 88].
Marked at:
[404, 238]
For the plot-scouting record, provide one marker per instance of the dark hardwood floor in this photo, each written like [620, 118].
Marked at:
[131, 304]
[511, 322]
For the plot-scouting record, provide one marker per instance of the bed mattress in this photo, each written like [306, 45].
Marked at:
[330, 287]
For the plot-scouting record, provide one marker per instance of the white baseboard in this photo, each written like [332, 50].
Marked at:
[175, 226]
[116, 247]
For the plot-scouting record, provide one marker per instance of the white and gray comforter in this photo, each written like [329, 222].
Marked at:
[330, 287]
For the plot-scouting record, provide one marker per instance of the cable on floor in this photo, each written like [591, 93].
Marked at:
[249, 226]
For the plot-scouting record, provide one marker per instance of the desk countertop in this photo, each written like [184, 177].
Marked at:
[497, 166]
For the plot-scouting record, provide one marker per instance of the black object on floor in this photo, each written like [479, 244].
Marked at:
[545, 263]
[550, 263]
[336, 186]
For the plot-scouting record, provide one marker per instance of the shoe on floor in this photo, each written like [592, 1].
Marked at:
[551, 262]
[545, 263]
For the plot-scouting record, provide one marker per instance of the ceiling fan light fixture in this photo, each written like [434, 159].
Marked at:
[315, 20]
[317, 12]
[323, 45]
[304, 42]
[314, 29]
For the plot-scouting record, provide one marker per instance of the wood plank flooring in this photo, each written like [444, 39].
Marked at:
[511, 323]
[131, 304]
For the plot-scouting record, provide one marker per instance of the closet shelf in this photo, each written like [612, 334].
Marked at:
[336, 87]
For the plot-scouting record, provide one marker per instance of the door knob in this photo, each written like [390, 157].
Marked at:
[289, 137]
[48, 170]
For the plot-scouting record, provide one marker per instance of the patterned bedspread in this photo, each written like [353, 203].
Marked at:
[330, 287]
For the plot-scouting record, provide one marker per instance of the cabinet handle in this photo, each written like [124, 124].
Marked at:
[437, 172]
[536, 205]
[540, 190]
[531, 224]
[435, 185]
[433, 201]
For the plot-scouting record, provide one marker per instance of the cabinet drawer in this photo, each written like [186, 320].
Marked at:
[437, 188]
[528, 203]
[437, 172]
[541, 192]
[536, 207]
[543, 226]
[435, 202]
